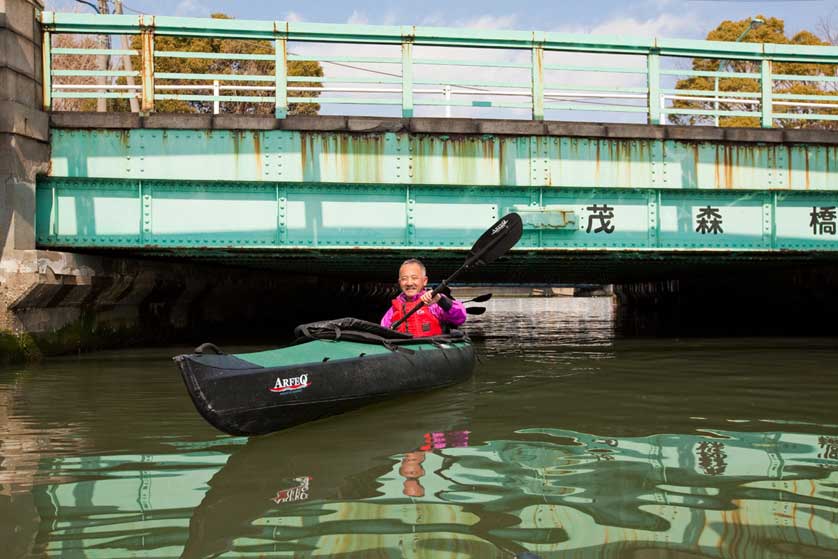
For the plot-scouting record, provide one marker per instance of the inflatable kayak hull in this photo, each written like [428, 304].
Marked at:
[257, 393]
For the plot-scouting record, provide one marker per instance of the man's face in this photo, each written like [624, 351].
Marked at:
[412, 280]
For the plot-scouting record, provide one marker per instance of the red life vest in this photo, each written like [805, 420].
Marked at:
[420, 324]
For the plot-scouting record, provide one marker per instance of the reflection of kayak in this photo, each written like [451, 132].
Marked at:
[336, 366]
[301, 469]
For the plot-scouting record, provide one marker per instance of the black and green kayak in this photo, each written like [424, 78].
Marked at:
[333, 367]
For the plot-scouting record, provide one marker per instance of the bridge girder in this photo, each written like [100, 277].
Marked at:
[334, 199]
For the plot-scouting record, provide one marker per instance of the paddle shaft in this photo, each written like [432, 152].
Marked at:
[445, 283]
[494, 242]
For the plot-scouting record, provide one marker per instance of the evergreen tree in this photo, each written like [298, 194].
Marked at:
[223, 66]
[772, 31]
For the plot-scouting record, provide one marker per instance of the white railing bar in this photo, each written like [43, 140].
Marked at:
[795, 104]
[180, 87]
[595, 95]
[93, 86]
[360, 89]
[727, 100]
[250, 88]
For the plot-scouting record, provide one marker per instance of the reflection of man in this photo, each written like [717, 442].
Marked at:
[411, 467]
[444, 439]
[411, 470]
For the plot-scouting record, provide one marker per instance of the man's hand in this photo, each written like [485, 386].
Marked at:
[428, 300]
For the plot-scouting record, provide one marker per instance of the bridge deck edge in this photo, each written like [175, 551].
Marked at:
[447, 126]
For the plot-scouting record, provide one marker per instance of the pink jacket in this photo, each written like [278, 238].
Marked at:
[454, 316]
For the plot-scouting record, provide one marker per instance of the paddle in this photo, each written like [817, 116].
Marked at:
[480, 298]
[497, 239]
[475, 310]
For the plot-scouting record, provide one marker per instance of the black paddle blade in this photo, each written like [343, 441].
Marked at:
[475, 310]
[499, 238]
[480, 298]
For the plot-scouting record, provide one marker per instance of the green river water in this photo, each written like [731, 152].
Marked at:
[570, 441]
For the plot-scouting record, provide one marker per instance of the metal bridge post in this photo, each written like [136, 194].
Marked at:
[216, 92]
[537, 73]
[147, 58]
[653, 81]
[446, 92]
[407, 76]
[281, 78]
[767, 85]
[46, 53]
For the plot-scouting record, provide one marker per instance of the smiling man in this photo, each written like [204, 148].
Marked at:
[430, 320]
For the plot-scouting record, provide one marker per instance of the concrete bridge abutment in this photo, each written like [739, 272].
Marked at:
[24, 153]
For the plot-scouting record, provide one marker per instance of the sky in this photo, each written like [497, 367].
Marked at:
[691, 19]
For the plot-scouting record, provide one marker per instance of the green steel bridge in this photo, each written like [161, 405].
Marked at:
[425, 137]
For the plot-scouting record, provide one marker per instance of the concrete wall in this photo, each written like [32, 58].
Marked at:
[24, 151]
[24, 128]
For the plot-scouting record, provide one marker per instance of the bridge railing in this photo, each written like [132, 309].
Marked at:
[422, 71]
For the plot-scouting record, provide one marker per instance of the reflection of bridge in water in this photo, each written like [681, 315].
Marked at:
[554, 492]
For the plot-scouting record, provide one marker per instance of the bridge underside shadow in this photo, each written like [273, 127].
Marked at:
[222, 297]
[519, 266]
[714, 294]
[721, 299]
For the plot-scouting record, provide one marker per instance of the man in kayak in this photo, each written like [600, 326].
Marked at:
[434, 317]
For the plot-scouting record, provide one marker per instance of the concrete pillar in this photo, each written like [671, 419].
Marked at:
[24, 150]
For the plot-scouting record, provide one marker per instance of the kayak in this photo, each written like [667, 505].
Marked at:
[332, 367]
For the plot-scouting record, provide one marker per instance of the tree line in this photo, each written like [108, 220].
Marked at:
[185, 66]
